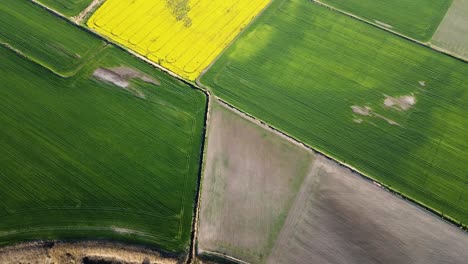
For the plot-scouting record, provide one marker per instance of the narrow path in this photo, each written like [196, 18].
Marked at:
[90, 9]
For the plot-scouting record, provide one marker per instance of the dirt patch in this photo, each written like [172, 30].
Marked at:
[380, 23]
[121, 77]
[129, 73]
[112, 77]
[361, 110]
[82, 252]
[367, 111]
[250, 180]
[402, 103]
[358, 120]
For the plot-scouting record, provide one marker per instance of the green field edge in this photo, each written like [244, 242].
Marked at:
[427, 43]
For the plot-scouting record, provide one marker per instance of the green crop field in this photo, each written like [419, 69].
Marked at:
[416, 18]
[82, 158]
[45, 38]
[67, 7]
[340, 85]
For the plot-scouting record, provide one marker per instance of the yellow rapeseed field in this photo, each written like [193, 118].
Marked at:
[184, 36]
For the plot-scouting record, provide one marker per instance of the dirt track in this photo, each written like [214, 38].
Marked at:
[82, 252]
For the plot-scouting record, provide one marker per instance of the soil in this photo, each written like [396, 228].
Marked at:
[361, 110]
[402, 103]
[250, 180]
[452, 34]
[130, 73]
[367, 111]
[82, 252]
[339, 217]
[121, 76]
[112, 77]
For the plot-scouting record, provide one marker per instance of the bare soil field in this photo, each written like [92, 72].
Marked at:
[82, 252]
[339, 217]
[452, 34]
[251, 178]
[336, 215]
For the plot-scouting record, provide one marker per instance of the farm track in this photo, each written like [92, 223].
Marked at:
[88, 11]
[198, 85]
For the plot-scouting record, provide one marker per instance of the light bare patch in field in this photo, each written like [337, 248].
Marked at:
[77, 252]
[452, 34]
[338, 217]
[251, 179]
[112, 77]
[361, 110]
[121, 77]
[383, 24]
[367, 111]
[402, 103]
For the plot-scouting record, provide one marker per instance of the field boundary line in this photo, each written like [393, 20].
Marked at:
[201, 168]
[427, 44]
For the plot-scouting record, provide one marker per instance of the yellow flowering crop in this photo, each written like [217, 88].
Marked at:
[184, 36]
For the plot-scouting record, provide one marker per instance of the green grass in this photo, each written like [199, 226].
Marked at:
[45, 38]
[68, 8]
[301, 67]
[416, 18]
[84, 159]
